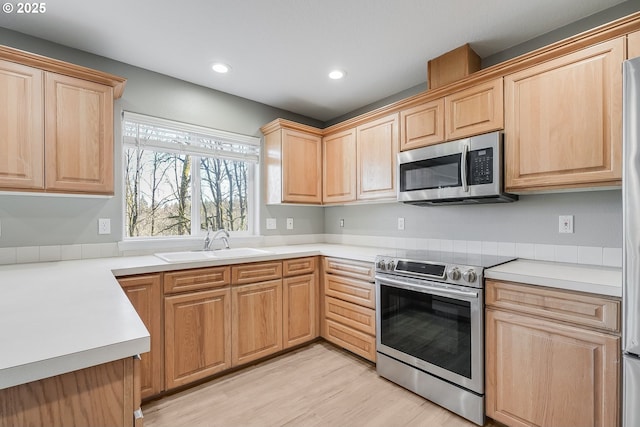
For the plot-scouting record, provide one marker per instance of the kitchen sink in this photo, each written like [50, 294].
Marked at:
[239, 252]
[190, 256]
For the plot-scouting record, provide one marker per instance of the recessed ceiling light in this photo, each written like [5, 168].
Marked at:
[221, 68]
[337, 74]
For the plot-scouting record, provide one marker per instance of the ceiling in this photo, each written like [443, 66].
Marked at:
[281, 51]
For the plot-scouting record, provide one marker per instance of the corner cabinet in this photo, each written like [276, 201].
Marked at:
[299, 301]
[293, 160]
[145, 293]
[552, 357]
[377, 147]
[339, 175]
[563, 121]
[58, 119]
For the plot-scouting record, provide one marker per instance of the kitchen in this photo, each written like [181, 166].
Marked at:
[527, 228]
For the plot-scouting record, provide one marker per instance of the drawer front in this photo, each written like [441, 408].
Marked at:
[355, 341]
[256, 272]
[346, 267]
[352, 315]
[351, 290]
[566, 306]
[196, 279]
[298, 266]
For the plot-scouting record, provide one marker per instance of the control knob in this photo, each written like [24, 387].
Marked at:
[470, 276]
[381, 265]
[454, 273]
[391, 265]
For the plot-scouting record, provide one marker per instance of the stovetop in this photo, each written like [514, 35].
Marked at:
[454, 268]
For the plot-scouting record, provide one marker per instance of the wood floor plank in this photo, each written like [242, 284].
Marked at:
[315, 386]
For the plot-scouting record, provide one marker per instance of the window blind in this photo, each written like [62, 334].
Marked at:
[143, 131]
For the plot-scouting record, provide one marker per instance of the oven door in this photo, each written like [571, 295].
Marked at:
[434, 327]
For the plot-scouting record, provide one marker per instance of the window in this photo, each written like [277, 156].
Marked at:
[180, 179]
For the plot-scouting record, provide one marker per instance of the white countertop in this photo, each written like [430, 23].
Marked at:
[57, 317]
[575, 277]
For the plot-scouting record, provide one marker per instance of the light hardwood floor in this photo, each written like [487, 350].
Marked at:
[316, 386]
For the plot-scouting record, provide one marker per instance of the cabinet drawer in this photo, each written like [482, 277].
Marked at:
[566, 306]
[352, 315]
[196, 279]
[361, 344]
[298, 266]
[257, 272]
[351, 290]
[346, 267]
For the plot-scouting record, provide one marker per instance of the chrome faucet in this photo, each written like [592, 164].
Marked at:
[225, 238]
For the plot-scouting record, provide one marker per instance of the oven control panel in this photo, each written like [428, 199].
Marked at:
[443, 272]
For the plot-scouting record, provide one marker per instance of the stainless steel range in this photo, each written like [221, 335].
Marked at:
[430, 326]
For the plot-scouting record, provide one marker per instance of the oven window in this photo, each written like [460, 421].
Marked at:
[433, 173]
[429, 327]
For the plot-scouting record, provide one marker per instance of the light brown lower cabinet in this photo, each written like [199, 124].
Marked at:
[102, 395]
[543, 372]
[257, 320]
[197, 335]
[299, 301]
[145, 294]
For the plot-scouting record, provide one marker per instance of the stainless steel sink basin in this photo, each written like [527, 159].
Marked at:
[191, 256]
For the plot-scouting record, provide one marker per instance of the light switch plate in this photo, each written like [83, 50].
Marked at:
[289, 223]
[104, 226]
[271, 224]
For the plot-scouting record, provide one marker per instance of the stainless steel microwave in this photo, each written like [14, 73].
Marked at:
[464, 171]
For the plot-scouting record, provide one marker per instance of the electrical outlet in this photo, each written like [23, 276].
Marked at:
[565, 224]
[0, 228]
[400, 223]
[271, 224]
[341, 222]
[104, 226]
[289, 223]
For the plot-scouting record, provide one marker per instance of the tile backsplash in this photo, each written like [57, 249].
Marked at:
[594, 255]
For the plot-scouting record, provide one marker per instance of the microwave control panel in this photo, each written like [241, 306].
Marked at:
[480, 166]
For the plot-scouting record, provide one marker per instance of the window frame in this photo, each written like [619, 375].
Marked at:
[196, 232]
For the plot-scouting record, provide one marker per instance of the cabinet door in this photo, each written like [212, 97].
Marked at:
[197, 335]
[422, 125]
[145, 295]
[541, 373]
[478, 109]
[563, 121]
[339, 167]
[633, 45]
[257, 321]
[301, 167]
[300, 314]
[22, 125]
[377, 146]
[79, 135]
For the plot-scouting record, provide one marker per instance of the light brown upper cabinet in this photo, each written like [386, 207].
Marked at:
[377, 146]
[422, 125]
[339, 167]
[58, 122]
[78, 135]
[21, 118]
[563, 121]
[475, 110]
[633, 45]
[293, 159]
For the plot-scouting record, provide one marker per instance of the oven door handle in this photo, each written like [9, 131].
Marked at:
[426, 288]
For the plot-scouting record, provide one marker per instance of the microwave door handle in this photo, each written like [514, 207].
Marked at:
[463, 167]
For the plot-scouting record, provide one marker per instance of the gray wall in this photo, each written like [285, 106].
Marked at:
[532, 219]
[55, 220]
